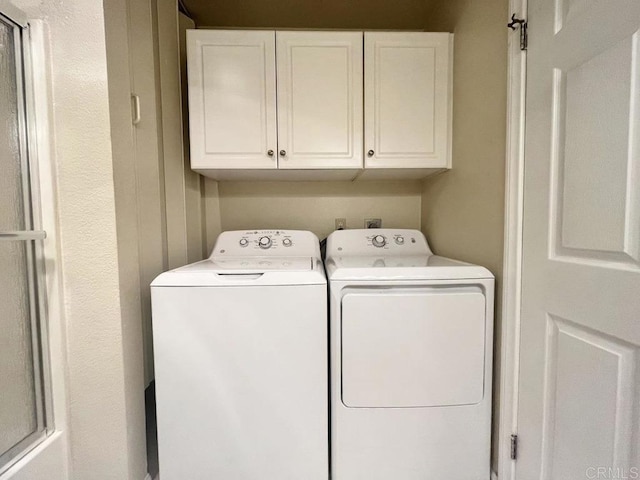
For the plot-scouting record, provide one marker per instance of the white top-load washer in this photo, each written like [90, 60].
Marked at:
[411, 354]
[240, 346]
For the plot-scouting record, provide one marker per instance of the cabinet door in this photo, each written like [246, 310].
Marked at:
[319, 99]
[408, 99]
[232, 99]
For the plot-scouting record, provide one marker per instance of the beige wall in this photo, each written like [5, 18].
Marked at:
[355, 14]
[210, 213]
[125, 173]
[314, 205]
[102, 332]
[463, 209]
[194, 205]
[147, 165]
[183, 197]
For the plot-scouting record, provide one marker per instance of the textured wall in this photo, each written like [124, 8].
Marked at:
[127, 195]
[355, 14]
[102, 419]
[463, 209]
[148, 164]
[181, 184]
[314, 205]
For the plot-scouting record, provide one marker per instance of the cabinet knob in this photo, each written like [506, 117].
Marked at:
[270, 153]
[283, 153]
[370, 153]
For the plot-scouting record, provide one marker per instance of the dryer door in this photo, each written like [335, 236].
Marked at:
[413, 347]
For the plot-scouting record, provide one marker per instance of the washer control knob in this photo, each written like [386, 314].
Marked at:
[287, 242]
[400, 240]
[379, 241]
[264, 242]
[244, 242]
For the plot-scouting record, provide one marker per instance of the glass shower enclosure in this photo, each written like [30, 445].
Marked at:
[23, 416]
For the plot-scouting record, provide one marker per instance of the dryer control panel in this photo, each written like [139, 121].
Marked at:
[378, 241]
[266, 243]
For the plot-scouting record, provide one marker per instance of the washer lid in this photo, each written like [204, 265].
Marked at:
[235, 265]
[255, 271]
[254, 258]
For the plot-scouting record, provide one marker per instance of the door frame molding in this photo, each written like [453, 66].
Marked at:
[512, 267]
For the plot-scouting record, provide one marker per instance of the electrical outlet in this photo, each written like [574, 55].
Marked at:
[341, 223]
[372, 223]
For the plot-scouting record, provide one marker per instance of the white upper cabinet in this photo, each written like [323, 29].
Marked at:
[305, 105]
[319, 100]
[232, 99]
[407, 83]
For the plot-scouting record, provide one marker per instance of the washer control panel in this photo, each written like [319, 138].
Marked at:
[262, 243]
[377, 241]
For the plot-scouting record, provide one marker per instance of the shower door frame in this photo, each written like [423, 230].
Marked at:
[33, 238]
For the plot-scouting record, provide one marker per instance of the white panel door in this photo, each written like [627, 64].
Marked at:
[579, 399]
[319, 99]
[232, 99]
[408, 99]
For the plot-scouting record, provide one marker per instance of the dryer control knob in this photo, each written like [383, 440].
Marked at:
[287, 242]
[379, 241]
[400, 240]
[244, 242]
[264, 242]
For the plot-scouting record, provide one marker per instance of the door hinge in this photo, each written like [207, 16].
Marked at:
[514, 447]
[522, 23]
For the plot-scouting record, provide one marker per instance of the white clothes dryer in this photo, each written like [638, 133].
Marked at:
[241, 367]
[411, 358]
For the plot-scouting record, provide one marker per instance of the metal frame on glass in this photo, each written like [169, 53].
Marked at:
[33, 242]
